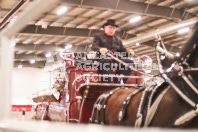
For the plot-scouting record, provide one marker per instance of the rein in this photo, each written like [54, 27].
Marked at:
[127, 65]
[180, 70]
[185, 70]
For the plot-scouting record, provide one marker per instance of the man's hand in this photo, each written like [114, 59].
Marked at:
[131, 52]
[103, 50]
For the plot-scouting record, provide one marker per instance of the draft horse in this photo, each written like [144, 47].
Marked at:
[172, 103]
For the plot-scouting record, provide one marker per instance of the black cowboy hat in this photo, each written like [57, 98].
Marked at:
[110, 22]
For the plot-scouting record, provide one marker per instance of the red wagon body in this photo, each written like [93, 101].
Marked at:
[82, 88]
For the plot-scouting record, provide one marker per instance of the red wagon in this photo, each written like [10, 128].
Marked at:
[83, 85]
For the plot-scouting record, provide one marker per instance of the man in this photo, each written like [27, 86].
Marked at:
[106, 42]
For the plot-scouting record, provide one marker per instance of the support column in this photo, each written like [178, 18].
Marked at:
[6, 67]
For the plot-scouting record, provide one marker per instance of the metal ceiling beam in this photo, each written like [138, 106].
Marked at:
[41, 60]
[133, 7]
[37, 64]
[92, 17]
[105, 18]
[38, 58]
[77, 32]
[39, 47]
[178, 41]
[172, 3]
[140, 48]
[171, 28]
[146, 51]
[181, 39]
[153, 27]
[46, 48]
[72, 19]
[140, 0]
[12, 12]
[170, 48]
[25, 38]
[69, 16]
[45, 14]
[170, 36]
[152, 43]
[30, 57]
[136, 25]
[175, 36]
[156, 1]
[180, 45]
[60, 16]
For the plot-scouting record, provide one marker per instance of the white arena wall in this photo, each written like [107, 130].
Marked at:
[26, 81]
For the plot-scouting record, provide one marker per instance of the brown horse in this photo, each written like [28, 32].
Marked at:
[172, 103]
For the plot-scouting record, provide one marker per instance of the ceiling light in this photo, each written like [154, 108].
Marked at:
[177, 54]
[32, 61]
[48, 55]
[61, 11]
[137, 44]
[132, 20]
[184, 30]
[68, 46]
[20, 66]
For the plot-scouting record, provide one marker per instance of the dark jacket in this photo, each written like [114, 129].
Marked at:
[114, 44]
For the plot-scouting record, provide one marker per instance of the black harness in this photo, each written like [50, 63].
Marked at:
[122, 113]
[98, 113]
[177, 75]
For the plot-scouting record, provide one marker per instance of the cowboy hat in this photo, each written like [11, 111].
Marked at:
[110, 22]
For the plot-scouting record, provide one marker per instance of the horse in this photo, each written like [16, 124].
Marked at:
[170, 103]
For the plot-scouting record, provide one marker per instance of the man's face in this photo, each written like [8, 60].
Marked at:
[110, 30]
